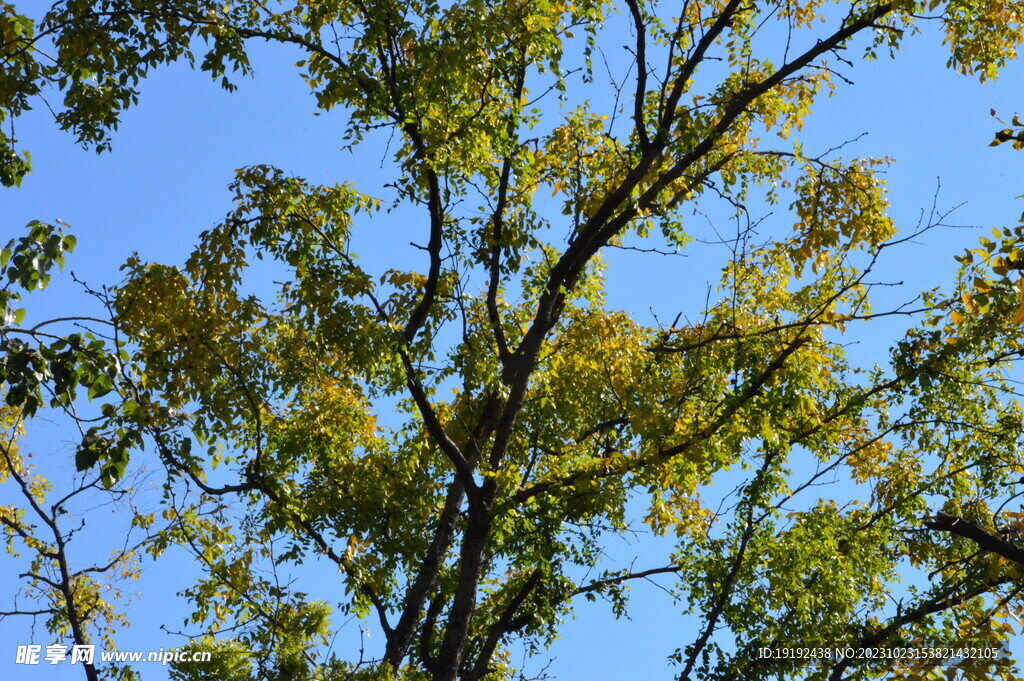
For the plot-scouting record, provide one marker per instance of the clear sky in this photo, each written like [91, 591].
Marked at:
[175, 153]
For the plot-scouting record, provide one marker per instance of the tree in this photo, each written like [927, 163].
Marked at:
[43, 368]
[531, 416]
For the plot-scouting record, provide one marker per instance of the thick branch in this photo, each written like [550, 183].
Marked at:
[641, 74]
[505, 624]
[498, 222]
[945, 522]
[696, 58]
[739, 399]
[605, 223]
[426, 576]
[937, 604]
[478, 527]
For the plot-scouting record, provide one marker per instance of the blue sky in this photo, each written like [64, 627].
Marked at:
[176, 152]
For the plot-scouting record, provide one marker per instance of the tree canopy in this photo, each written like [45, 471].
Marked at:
[463, 439]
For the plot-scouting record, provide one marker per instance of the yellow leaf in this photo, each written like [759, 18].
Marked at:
[1018, 316]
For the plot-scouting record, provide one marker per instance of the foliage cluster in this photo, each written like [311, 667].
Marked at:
[461, 441]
